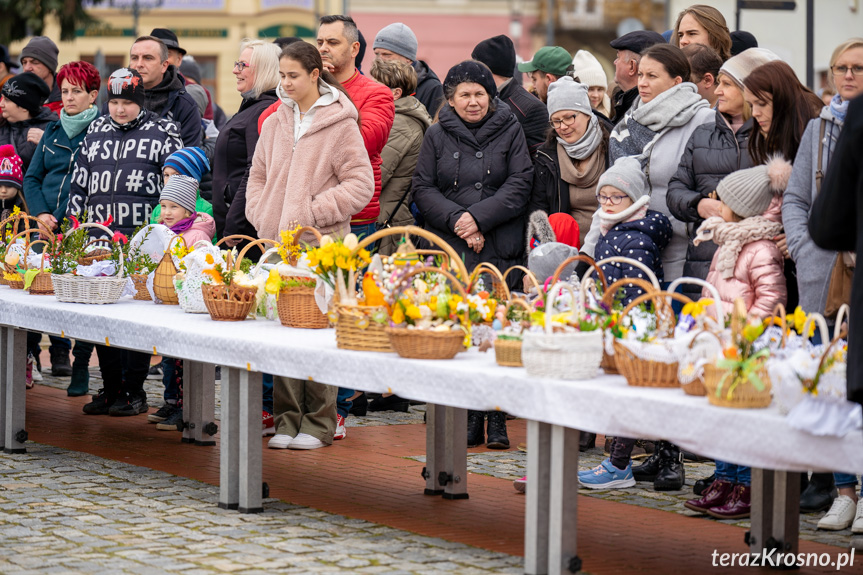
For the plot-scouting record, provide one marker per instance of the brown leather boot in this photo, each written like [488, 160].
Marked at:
[715, 496]
[737, 506]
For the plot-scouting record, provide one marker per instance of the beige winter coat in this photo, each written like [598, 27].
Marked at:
[320, 179]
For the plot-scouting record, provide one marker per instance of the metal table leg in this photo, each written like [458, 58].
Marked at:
[14, 389]
[775, 522]
[250, 448]
[536, 506]
[229, 455]
[435, 449]
[455, 453]
[199, 399]
[563, 502]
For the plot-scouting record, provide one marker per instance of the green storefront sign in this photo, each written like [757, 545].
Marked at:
[281, 30]
[106, 31]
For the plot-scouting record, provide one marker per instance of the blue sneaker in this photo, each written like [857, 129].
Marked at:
[607, 476]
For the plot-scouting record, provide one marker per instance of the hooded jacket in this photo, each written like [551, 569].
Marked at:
[399, 159]
[49, 176]
[203, 228]
[15, 133]
[118, 172]
[318, 176]
[530, 112]
[642, 240]
[234, 150]
[429, 88]
[714, 150]
[487, 174]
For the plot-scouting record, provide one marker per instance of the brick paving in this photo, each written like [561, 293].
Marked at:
[366, 489]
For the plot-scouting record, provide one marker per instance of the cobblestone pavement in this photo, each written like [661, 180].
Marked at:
[68, 512]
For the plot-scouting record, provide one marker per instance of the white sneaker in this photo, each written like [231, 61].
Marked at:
[857, 526]
[840, 516]
[306, 441]
[280, 441]
[341, 432]
[36, 374]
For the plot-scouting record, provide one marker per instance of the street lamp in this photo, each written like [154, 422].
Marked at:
[136, 7]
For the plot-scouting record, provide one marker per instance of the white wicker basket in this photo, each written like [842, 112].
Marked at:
[100, 290]
[574, 355]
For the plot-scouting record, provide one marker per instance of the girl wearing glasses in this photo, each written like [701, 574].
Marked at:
[567, 167]
[814, 265]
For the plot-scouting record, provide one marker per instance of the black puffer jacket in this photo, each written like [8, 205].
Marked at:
[530, 112]
[234, 150]
[118, 172]
[429, 88]
[713, 152]
[488, 175]
[622, 103]
[16, 134]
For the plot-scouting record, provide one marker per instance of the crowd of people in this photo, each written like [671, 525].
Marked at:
[704, 160]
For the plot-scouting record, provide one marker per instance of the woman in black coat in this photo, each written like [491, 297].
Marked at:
[473, 178]
[472, 184]
[257, 73]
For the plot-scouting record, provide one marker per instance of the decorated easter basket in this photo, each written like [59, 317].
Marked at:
[507, 351]
[92, 254]
[12, 277]
[41, 283]
[296, 305]
[141, 291]
[90, 290]
[230, 302]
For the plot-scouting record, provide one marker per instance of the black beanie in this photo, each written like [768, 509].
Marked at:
[498, 54]
[470, 71]
[127, 84]
[28, 91]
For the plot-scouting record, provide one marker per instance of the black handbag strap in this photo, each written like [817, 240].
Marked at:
[401, 201]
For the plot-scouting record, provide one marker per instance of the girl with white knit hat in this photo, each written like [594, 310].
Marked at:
[590, 72]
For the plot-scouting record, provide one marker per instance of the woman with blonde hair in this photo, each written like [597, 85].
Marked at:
[702, 24]
[257, 73]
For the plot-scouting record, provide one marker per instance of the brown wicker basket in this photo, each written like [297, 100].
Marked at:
[426, 344]
[357, 331]
[608, 364]
[744, 395]
[95, 255]
[41, 283]
[163, 278]
[499, 289]
[141, 292]
[507, 352]
[228, 303]
[297, 308]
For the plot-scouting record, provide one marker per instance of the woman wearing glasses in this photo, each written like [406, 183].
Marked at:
[814, 265]
[257, 72]
[567, 167]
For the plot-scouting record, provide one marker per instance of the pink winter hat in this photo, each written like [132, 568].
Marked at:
[10, 167]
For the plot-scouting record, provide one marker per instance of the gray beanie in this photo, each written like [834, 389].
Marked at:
[182, 190]
[625, 175]
[544, 259]
[739, 67]
[398, 38]
[567, 94]
[43, 49]
[749, 192]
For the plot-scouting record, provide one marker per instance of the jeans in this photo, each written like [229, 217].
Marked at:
[846, 480]
[170, 381]
[267, 385]
[621, 450]
[343, 406]
[364, 231]
[733, 473]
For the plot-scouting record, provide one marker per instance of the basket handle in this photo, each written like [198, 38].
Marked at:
[527, 273]
[635, 263]
[717, 299]
[703, 332]
[657, 295]
[454, 258]
[491, 269]
[779, 311]
[822, 326]
[264, 257]
[254, 243]
[838, 331]
[403, 283]
[554, 291]
[608, 295]
[443, 254]
[42, 259]
[234, 237]
[580, 258]
[521, 302]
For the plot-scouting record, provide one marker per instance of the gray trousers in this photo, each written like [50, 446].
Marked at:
[304, 407]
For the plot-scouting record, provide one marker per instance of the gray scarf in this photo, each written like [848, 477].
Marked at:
[585, 145]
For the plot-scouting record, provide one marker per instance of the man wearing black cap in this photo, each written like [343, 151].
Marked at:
[629, 48]
[498, 54]
[164, 88]
[169, 39]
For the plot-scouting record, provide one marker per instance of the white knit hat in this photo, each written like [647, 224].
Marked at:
[739, 67]
[588, 70]
[182, 190]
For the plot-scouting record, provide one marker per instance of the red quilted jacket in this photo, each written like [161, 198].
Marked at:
[377, 113]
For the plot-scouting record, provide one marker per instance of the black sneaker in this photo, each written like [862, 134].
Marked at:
[99, 405]
[155, 372]
[130, 404]
[163, 413]
[172, 423]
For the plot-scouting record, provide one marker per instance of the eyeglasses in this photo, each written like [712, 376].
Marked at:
[565, 121]
[840, 71]
[240, 66]
[613, 200]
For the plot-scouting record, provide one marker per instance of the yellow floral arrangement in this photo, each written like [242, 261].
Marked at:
[335, 262]
[289, 248]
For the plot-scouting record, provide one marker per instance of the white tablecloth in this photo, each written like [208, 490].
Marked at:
[759, 438]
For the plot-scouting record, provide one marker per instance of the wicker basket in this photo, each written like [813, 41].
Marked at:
[644, 372]
[357, 331]
[499, 289]
[96, 255]
[228, 303]
[141, 292]
[297, 308]
[163, 278]
[507, 352]
[744, 395]
[426, 344]
[569, 355]
[41, 283]
[609, 364]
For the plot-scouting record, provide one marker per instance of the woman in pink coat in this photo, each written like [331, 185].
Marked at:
[310, 168]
